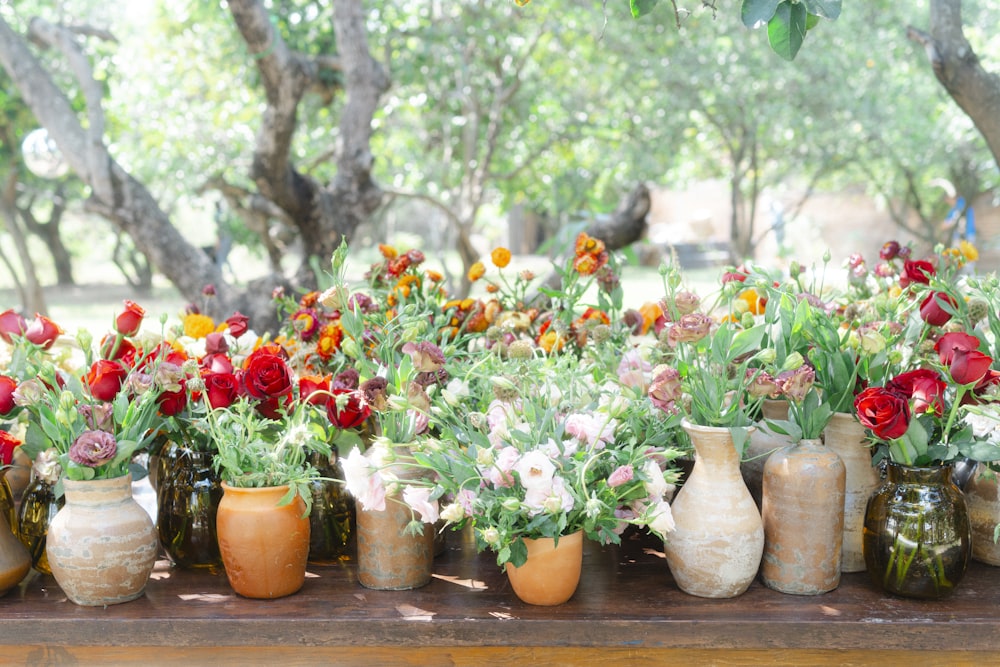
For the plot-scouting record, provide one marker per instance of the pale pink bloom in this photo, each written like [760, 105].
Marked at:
[362, 481]
[419, 500]
[633, 370]
[621, 475]
[689, 328]
[499, 473]
[427, 357]
[593, 429]
[663, 519]
[655, 485]
[535, 470]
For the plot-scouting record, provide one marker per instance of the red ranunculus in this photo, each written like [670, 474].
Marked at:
[886, 413]
[266, 375]
[238, 324]
[969, 367]
[924, 387]
[128, 322]
[917, 271]
[309, 385]
[11, 324]
[932, 310]
[7, 387]
[105, 379]
[953, 342]
[8, 444]
[173, 402]
[221, 389]
[353, 413]
[42, 331]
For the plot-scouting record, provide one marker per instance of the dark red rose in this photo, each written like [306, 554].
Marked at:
[953, 342]
[11, 324]
[266, 375]
[173, 402]
[969, 367]
[884, 412]
[221, 389]
[105, 379]
[7, 387]
[238, 324]
[917, 271]
[314, 384]
[125, 351]
[352, 414]
[889, 251]
[42, 331]
[924, 387]
[217, 363]
[932, 309]
[275, 407]
[8, 444]
[215, 343]
[127, 323]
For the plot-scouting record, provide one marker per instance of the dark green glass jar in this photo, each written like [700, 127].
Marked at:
[917, 535]
[333, 519]
[39, 506]
[187, 505]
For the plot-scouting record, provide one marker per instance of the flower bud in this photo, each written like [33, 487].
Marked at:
[511, 504]
[491, 536]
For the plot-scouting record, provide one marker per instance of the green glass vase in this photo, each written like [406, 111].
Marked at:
[39, 506]
[187, 504]
[917, 537]
[333, 517]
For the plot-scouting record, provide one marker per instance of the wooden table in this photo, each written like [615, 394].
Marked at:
[627, 611]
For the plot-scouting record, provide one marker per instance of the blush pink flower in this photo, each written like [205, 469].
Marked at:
[419, 500]
[621, 475]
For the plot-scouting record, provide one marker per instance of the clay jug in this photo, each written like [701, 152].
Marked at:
[551, 573]
[716, 547]
[101, 545]
[762, 443]
[389, 558]
[803, 513]
[845, 436]
[264, 545]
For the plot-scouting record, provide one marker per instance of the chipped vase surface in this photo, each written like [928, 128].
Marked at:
[101, 545]
[716, 548]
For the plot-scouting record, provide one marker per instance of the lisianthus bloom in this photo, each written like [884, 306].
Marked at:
[595, 430]
[363, 482]
[419, 500]
[128, 321]
[885, 412]
[666, 389]
[690, 328]
[795, 384]
[426, 356]
[93, 448]
[633, 369]
[761, 384]
[621, 475]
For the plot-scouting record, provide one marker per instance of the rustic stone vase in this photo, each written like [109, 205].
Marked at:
[803, 514]
[762, 443]
[188, 498]
[845, 436]
[101, 545]
[551, 573]
[388, 558]
[716, 547]
[982, 497]
[264, 545]
[918, 538]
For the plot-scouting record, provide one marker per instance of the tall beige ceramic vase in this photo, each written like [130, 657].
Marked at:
[845, 436]
[716, 548]
[763, 442]
[982, 496]
[101, 545]
[803, 513]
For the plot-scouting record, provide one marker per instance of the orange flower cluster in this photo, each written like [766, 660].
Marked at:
[591, 254]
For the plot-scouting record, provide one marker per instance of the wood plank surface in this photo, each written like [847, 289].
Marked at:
[627, 609]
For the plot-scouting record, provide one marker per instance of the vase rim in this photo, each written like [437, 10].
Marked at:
[227, 486]
[686, 424]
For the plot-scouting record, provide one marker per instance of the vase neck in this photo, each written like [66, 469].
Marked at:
[903, 474]
[714, 448]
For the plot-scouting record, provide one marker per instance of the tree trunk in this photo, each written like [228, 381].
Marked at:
[49, 233]
[32, 296]
[959, 71]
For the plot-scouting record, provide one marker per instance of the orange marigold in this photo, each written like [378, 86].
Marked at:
[330, 337]
[197, 325]
[551, 341]
[500, 257]
[476, 271]
[588, 245]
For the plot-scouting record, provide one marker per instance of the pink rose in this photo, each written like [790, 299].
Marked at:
[621, 475]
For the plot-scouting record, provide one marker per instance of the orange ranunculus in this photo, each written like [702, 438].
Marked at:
[551, 341]
[588, 245]
[650, 312]
[500, 257]
[388, 251]
[754, 302]
[330, 337]
[476, 271]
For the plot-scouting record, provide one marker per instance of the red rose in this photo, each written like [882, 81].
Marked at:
[217, 363]
[42, 331]
[221, 389]
[105, 379]
[7, 387]
[124, 353]
[311, 384]
[953, 342]
[924, 387]
[353, 413]
[215, 343]
[885, 413]
[969, 367]
[11, 323]
[917, 271]
[173, 402]
[7, 445]
[932, 309]
[266, 375]
[128, 322]
[238, 324]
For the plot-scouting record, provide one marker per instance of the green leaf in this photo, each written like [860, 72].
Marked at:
[811, 21]
[827, 9]
[787, 29]
[756, 12]
[641, 7]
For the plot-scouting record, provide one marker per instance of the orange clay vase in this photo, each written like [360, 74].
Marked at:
[264, 546]
[102, 545]
[551, 573]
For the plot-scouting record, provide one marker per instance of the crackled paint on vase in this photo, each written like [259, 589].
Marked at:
[982, 496]
[101, 545]
[716, 547]
[845, 436]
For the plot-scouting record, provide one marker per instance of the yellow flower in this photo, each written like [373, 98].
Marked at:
[500, 257]
[969, 251]
[476, 271]
[197, 325]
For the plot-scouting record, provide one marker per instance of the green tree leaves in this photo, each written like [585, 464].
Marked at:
[787, 20]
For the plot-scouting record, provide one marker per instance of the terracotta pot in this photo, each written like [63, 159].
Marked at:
[101, 545]
[551, 573]
[803, 514]
[845, 436]
[15, 562]
[388, 558]
[982, 496]
[716, 547]
[264, 545]
[763, 442]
